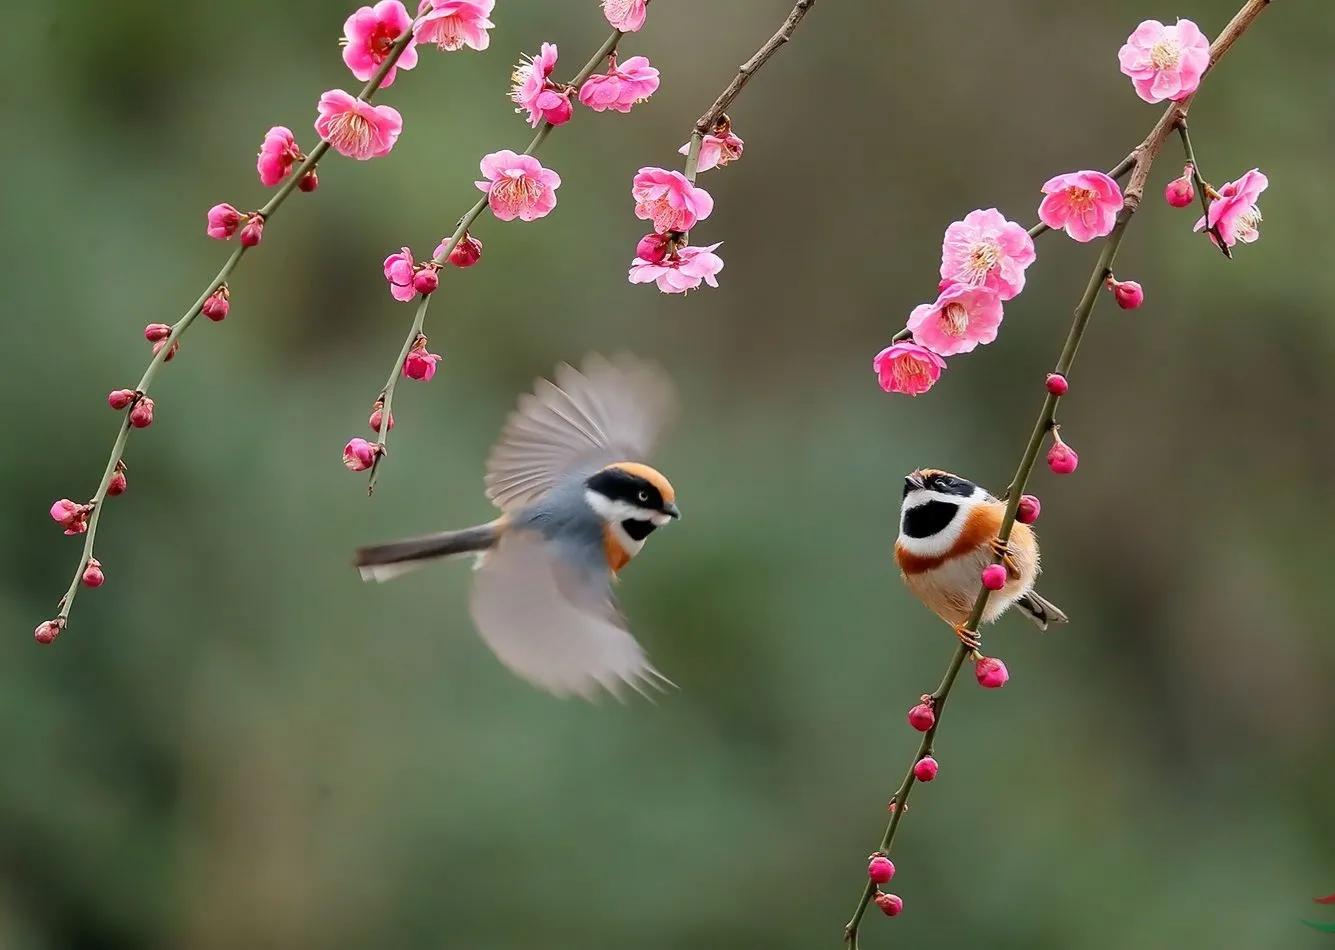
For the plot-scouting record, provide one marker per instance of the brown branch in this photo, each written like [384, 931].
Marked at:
[1141, 160]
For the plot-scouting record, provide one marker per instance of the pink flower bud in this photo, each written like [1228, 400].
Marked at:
[223, 221]
[48, 630]
[560, 113]
[419, 364]
[157, 331]
[170, 353]
[1128, 293]
[1057, 384]
[216, 307]
[141, 416]
[92, 574]
[67, 513]
[120, 398]
[991, 673]
[426, 280]
[309, 181]
[467, 252]
[377, 416]
[118, 482]
[653, 247]
[1180, 192]
[253, 232]
[891, 904]
[921, 716]
[880, 869]
[1029, 509]
[1062, 459]
[994, 577]
[358, 455]
[925, 769]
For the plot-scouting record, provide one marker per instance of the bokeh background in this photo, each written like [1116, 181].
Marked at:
[237, 744]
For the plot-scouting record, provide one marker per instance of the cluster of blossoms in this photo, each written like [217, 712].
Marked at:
[673, 204]
[984, 256]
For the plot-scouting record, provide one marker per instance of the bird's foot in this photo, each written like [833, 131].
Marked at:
[1002, 550]
[967, 637]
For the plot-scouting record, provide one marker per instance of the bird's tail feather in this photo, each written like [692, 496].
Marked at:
[383, 562]
[1040, 610]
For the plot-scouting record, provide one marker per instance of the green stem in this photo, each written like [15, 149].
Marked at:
[424, 300]
[183, 324]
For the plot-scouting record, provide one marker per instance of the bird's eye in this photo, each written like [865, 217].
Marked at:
[644, 496]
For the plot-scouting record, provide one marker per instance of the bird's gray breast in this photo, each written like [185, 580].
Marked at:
[563, 517]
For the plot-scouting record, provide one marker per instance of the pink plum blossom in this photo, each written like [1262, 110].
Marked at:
[907, 368]
[370, 34]
[277, 155]
[223, 221]
[517, 186]
[1235, 214]
[1084, 204]
[419, 364]
[1165, 62]
[679, 272]
[532, 90]
[986, 250]
[625, 15]
[668, 200]
[454, 24]
[358, 455]
[716, 150]
[399, 269]
[622, 86]
[357, 129]
[961, 318]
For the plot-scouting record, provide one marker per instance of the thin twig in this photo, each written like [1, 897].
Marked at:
[1138, 163]
[424, 300]
[183, 324]
[1202, 186]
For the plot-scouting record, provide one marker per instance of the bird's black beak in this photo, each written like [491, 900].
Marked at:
[671, 510]
[912, 481]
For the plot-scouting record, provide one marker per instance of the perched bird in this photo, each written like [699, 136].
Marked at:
[577, 503]
[948, 533]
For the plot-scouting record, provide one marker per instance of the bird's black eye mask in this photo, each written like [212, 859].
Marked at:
[623, 486]
[949, 485]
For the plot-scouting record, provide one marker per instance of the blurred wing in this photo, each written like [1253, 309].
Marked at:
[612, 411]
[554, 623]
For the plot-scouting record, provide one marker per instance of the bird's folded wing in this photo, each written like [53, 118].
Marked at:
[612, 411]
[551, 619]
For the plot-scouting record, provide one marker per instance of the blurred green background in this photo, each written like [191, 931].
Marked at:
[237, 744]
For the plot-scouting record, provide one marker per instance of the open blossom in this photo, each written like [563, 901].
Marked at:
[679, 272]
[517, 186]
[1084, 204]
[625, 15]
[355, 128]
[961, 318]
[358, 455]
[532, 90]
[399, 269]
[716, 150]
[668, 200]
[1235, 214]
[622, 86]
[277, 155]
[986, 250]
[1165, 62]
[907, 368]
[369, 35]
[454, 24]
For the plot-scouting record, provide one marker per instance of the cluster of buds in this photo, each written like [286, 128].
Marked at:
[880, 870]
[157, 334]
[225, 220]
[408, 277]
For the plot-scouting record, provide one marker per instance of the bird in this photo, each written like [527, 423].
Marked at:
[949, 531]
[577, 502]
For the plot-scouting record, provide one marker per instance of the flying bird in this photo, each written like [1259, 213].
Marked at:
[948, 533]
[577, 503]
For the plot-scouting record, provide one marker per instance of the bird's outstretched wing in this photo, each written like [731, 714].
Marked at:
[549, 615]
[612, 410]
